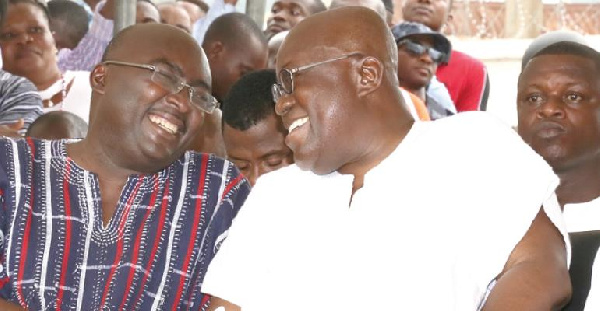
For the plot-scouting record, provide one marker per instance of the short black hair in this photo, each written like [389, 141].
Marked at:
[39, 3]
[250, 100]
[234, 29]
[73, 14]
[201, 4]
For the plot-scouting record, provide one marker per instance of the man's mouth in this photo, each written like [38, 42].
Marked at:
[164, 124]
[298, 123]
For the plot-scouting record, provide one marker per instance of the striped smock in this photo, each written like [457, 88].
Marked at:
[152, 255]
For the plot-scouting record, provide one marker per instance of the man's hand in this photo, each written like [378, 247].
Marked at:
[218, 304]
[9, 306]
[12, 129]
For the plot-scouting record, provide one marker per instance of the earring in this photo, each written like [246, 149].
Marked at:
[363, 81]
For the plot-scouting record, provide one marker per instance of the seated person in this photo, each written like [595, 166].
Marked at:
[253, 133]
[420, 50]
[363, 220]
[58, 125]
[558, 107]
[20, 103]
[464, 76]
[35, 58]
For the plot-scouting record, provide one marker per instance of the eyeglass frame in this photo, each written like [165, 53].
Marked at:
[212, 102]
[427, 50]
[278, 90]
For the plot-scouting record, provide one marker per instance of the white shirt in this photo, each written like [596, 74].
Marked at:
[415, 237]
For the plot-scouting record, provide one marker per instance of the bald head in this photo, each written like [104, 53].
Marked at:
[174, 14]
[158, 41]
[342, 31]
[375, 5]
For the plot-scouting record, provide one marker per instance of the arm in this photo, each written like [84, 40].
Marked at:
[535, 276]
[91, 47]
[218, 8]
[21, 105]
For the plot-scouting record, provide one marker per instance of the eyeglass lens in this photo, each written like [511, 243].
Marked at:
[418, 50]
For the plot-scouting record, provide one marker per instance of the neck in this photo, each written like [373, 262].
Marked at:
[580, 184]
[393, 125]
[46, 80]
[94, 158]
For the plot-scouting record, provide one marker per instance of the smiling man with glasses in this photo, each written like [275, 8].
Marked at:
[364, 219]
[124, 219]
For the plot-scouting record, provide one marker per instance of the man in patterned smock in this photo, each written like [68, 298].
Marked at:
[124, 219]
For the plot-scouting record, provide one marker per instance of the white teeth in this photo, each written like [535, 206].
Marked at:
[163, 123]
[298, 123]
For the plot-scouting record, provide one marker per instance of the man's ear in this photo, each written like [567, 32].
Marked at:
[370, 75]
[214, 50]
[97, 78]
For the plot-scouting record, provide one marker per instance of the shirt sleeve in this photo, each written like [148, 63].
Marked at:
[218, 8]
[90, 49]
[19, 99]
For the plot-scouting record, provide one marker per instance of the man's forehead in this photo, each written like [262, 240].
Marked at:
[304, 3]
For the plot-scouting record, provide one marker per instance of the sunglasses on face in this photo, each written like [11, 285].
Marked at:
[417, 49]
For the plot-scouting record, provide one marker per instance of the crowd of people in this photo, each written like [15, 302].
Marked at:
[199, 161]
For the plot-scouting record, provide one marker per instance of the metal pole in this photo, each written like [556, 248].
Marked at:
[256, 10]
[124, 14]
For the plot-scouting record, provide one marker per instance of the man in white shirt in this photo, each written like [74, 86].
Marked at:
[363, 221]
[559, 116]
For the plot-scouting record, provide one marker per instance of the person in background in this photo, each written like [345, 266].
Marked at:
[124, 219]
[420, 51]
[58, 125]
[89, 51]
[68, 23]
[464, 77]
[558, 106]
[173, 14]
[29, 50]
[253, 134]
[285, 14]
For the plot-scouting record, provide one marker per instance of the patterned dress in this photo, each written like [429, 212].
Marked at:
[152, 255]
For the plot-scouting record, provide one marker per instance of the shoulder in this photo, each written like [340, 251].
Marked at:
[466, 61]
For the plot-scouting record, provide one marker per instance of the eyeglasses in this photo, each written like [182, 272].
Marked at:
[417, 49]
[286, 76]
[198, 96]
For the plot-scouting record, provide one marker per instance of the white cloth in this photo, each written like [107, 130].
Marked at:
[79, 96]
[415, 236]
